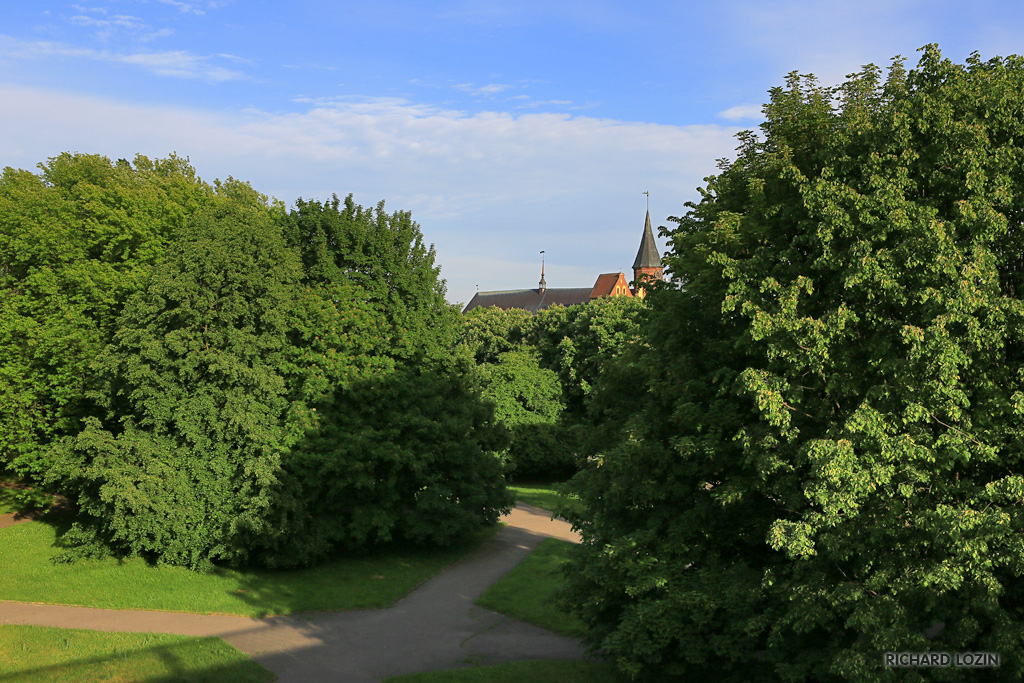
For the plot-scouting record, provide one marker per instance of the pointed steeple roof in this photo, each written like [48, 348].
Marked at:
[648, 256]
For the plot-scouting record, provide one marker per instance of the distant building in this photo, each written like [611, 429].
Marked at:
[646, 266]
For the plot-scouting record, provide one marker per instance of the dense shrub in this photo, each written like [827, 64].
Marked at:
[403, 454]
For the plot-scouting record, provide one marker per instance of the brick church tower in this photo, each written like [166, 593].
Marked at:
[647, 265]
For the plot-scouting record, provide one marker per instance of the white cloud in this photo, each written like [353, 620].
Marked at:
[741, 112]
[484, 90]
[186, 7]
[116, 21]
[153, 35]
[486, 187]
[94, 10]
[105, 24]
[177, 63]
[533, 104]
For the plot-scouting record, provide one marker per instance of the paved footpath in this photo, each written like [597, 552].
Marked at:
[437, 626]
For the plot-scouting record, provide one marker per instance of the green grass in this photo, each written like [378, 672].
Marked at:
[373, 580]
[527, 592]
[518, 672]
[546, 496]
[34, 654]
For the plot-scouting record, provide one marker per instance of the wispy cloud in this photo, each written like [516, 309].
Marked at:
[742, 112]
[177, 63]
[484, 90]
[105, 26]
[187, 7]
[534, 104]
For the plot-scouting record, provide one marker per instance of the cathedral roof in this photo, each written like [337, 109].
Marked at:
[648, 255]
[532, 300]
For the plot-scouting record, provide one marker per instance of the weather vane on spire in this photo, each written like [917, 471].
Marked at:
[648, 195]
[543, 283]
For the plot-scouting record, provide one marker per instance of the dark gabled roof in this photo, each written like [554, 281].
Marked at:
[648, 255]
[532, 300]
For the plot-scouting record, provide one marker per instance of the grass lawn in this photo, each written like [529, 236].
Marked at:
[34, 654]
[518, 672]
[527, 592]
[373, 580]
[545, 496]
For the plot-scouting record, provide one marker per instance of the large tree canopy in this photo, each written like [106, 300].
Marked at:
[183, 461]
[76, 240]
[400, 443]
[820, 450]
[385, 257]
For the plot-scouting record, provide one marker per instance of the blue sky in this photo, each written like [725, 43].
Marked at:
[506, 127]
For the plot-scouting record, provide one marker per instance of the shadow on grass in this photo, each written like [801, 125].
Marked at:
[37, 654]
[20, 501]
[371, 579]
[366, 580]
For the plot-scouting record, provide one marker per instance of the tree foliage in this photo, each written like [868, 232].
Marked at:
[821, 461]
[183, 464]
[76, 241]
[405, 454]
[528, 403]
[213, 379]
[384, 256]
[578, 342]
[489, 332]
[398, 443]
[539, 371]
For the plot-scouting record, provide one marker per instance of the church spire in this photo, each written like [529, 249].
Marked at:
[648, 260]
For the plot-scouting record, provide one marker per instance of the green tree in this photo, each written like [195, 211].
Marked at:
[539, 371]
[528, 402]
[182, 466]
[400, 443]
[819, 457]
[76, 241]
[384, 256]
[578, 342]
[489, 332]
